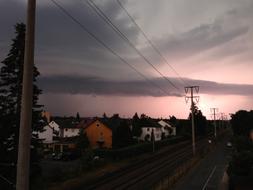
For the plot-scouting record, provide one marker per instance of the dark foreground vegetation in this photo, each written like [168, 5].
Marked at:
[240, 169]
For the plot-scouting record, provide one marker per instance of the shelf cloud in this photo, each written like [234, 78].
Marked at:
[100, 86]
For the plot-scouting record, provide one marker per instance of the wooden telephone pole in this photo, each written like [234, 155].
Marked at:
[25, 132]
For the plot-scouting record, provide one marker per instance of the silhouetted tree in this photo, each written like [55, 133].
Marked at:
[143, 116]
[173, 120]
[242, 122]
[104, 116]
[241, 163]
[77, 117]
[115, 116]
[82, 141]
[11, 75]
[136, 128]
[122, 135]
[200, 121]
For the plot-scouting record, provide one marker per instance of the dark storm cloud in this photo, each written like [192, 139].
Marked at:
[7, 21]
[100, 86]
[55, 28]
[57, 36]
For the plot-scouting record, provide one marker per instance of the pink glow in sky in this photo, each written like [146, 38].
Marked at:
[155, 107]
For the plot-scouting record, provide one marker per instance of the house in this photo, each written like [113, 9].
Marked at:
[63, 144]
[149, 128]
[49, 135]
[98, 133]
[58, 135]
[70, 132]
[50, 131]
[167, 128]
[68, 126]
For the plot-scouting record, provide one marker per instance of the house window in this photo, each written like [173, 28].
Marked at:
[66, 129]
[147, 129]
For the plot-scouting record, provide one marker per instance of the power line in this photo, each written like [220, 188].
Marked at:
[104, 44]
[149, 41]
[117, 30]
[106, 19]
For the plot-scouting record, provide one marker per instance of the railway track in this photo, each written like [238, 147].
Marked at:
[144, 173]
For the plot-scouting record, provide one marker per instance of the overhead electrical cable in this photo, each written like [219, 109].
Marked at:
[106, 19]
[75, 20]
[150, 42]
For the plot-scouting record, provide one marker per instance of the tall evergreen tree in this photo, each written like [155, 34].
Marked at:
[11, 75]
[105, 116]
[122, 135]
[136, 128]
[77, 117]
[82, 141]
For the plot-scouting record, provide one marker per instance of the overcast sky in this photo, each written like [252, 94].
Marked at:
[209, 43]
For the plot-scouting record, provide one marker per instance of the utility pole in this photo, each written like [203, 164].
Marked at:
[192, 97]
[23, 164]
[214, 112]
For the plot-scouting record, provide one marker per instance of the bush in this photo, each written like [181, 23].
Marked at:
[242, 158]
[241, 164]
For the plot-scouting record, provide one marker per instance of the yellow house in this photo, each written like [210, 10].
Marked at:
[99, 134]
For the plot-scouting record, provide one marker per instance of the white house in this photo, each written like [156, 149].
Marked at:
[147, 133]
[167, 129]
[70, 132]
[50, 130]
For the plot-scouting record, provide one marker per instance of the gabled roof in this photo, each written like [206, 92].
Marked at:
[148, 122]
[66, 122]
[85, 123]
[164, 123]
[111, 123]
